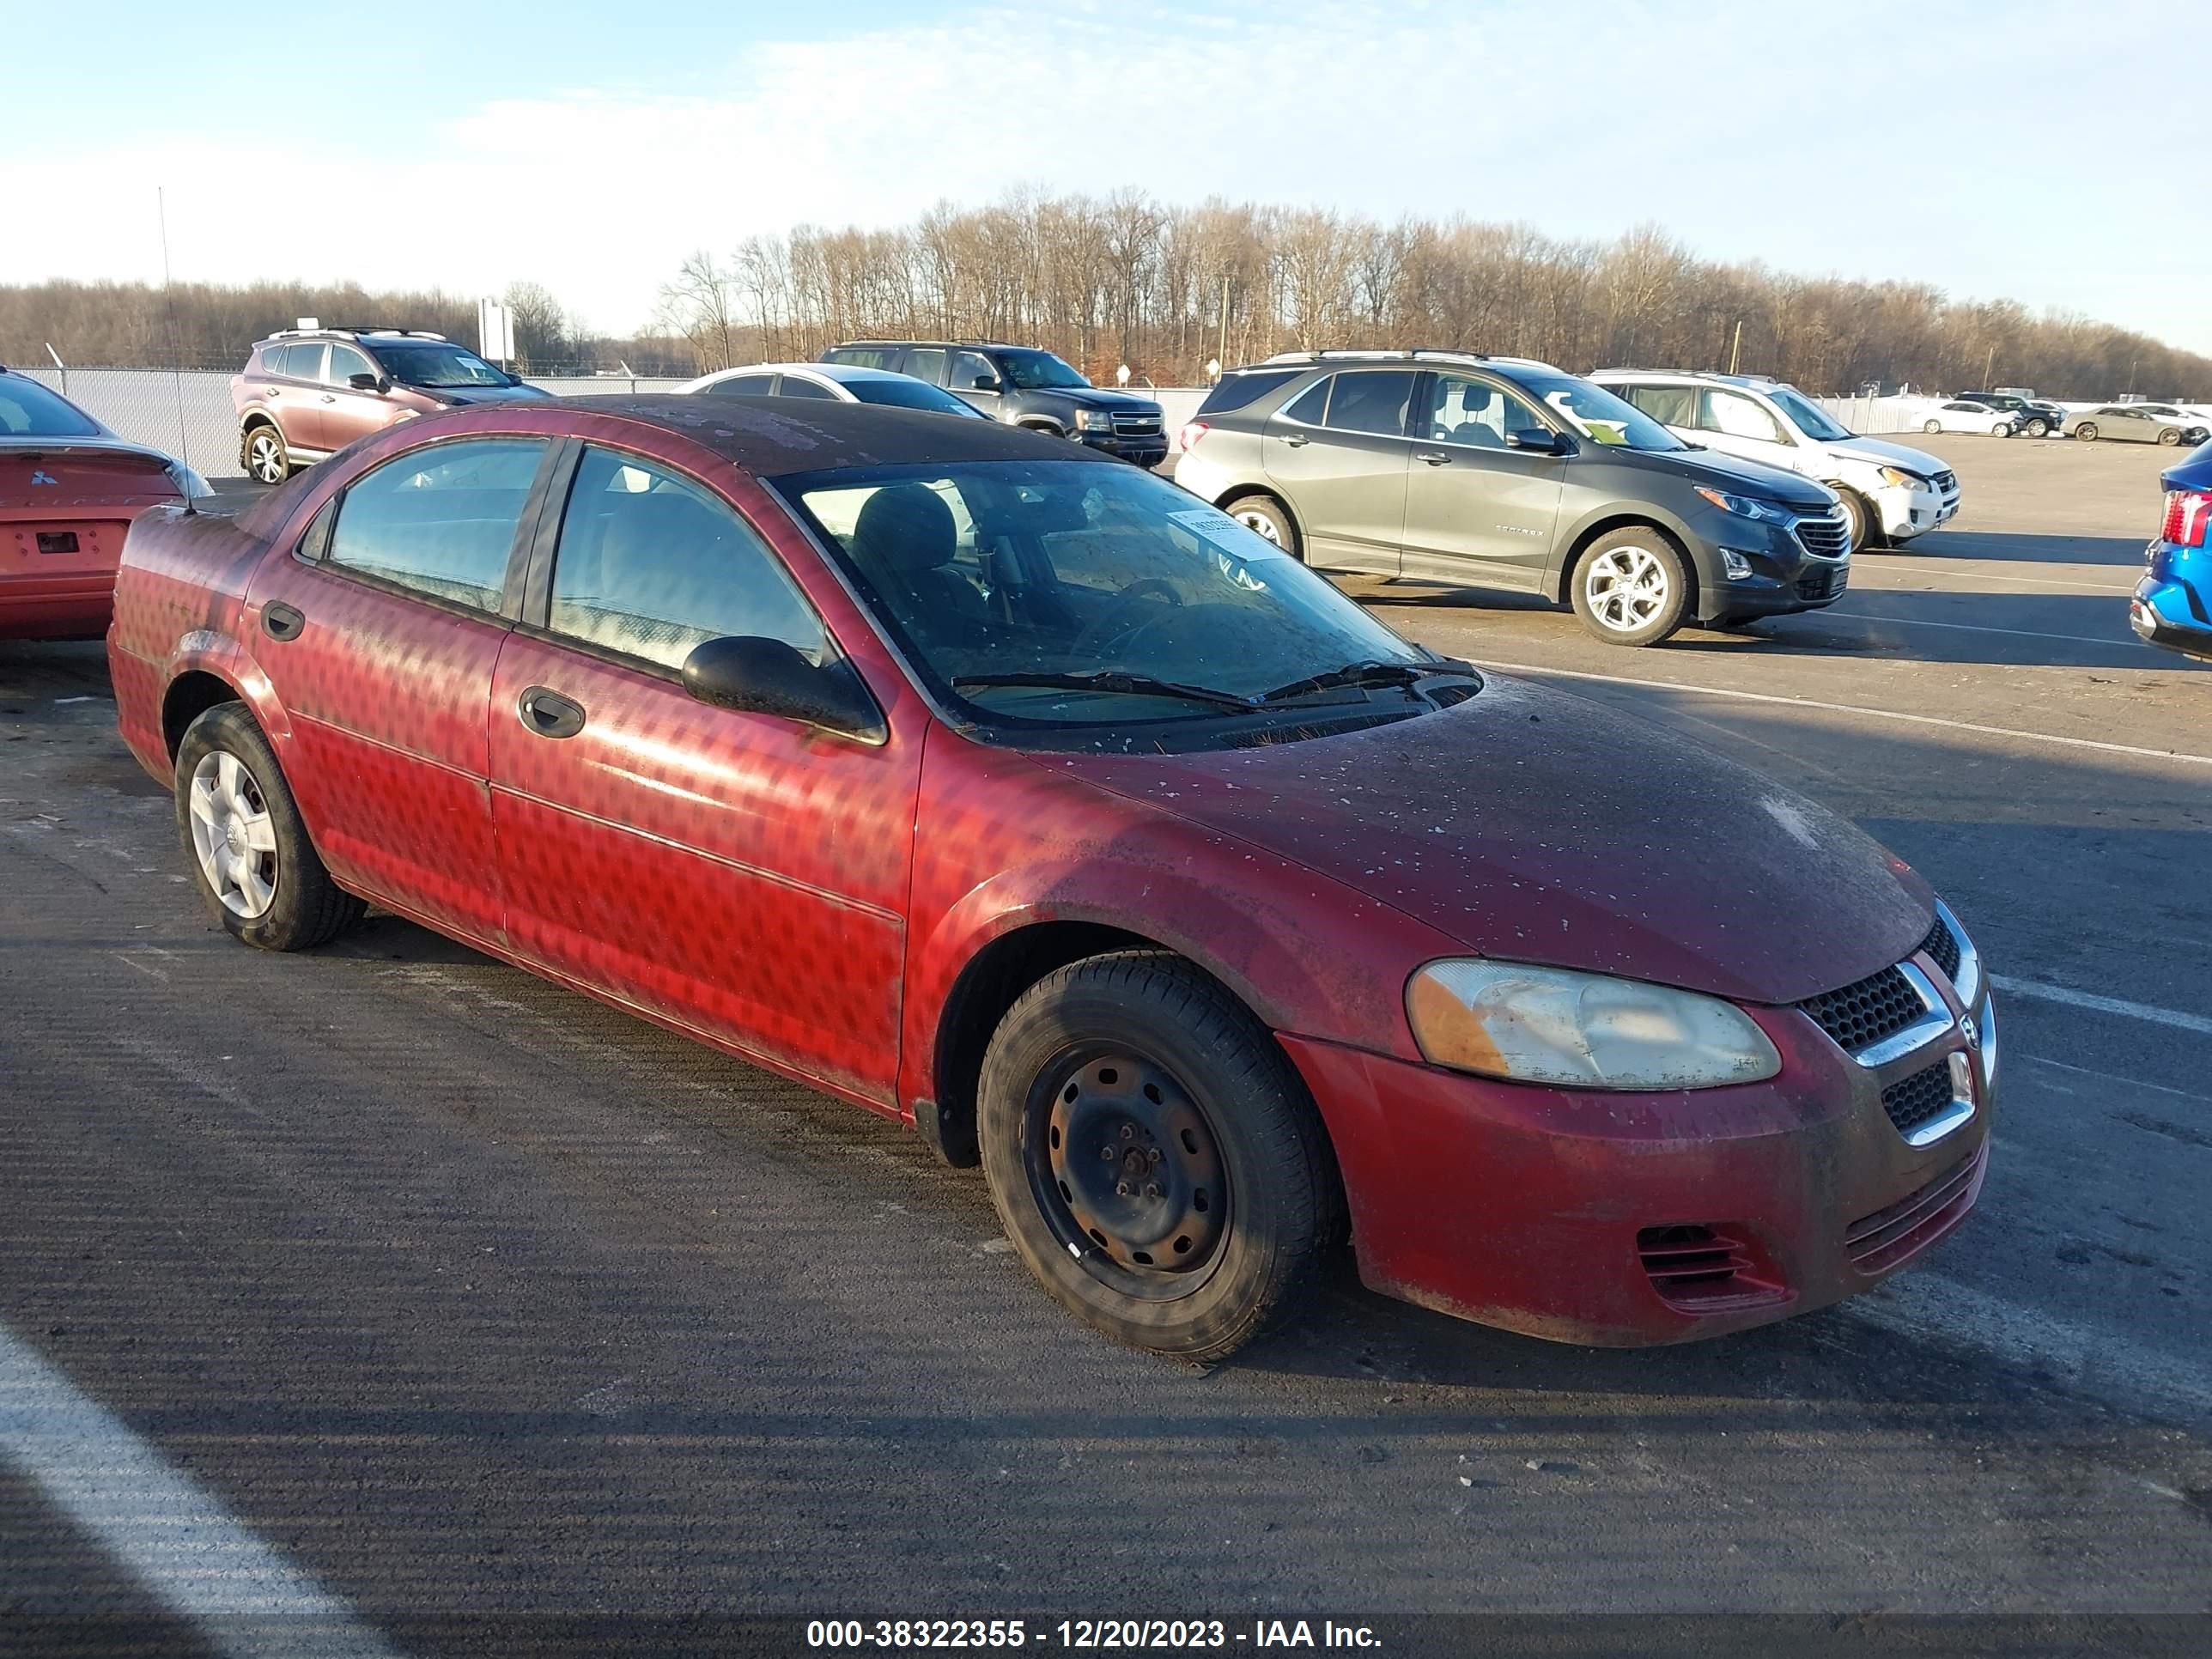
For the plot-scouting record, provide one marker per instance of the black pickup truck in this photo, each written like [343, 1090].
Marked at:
[1023, 387]
[2031, 417]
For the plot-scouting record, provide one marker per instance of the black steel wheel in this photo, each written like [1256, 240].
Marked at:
[1153, 1155]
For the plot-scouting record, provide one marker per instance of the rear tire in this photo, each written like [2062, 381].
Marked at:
[268, 460]
[1632, 586]
[1269, 519]
[1153, 1155]
[250, 855]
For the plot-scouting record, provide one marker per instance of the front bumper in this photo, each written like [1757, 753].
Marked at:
[1783, 577]
[1907, 512]
[2172, 605]
[1568, 1215]
[1147, 449]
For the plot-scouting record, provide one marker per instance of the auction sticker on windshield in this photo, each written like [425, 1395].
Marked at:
[1225, 532]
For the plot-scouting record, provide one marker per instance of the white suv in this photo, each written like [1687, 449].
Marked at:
[1890, 492]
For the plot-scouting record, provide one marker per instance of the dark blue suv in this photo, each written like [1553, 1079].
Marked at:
[2172, 603]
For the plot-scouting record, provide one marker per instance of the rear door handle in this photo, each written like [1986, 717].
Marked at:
[279, 621]
[548, 713]
[1433, 456]
[1296, 440]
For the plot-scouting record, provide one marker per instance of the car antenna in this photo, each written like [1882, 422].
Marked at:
[176, 364]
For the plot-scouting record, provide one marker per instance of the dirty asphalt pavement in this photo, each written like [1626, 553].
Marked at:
[477, 1302]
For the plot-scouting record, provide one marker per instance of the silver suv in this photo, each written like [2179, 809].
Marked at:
[1501, 472]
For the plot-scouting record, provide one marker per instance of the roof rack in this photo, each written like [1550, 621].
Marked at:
[1385, 353]
[355, 331]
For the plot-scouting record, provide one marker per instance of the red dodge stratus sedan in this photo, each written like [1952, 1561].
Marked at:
[1008, 789]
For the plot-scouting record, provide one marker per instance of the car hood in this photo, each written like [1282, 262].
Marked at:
[1883, 452]
[1535, 825]
[1097, 397]
[462, 397]
[1724, 471]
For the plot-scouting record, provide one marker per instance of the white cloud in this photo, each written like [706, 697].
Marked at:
[1819, 139]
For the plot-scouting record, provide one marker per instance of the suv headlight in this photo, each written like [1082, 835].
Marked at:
[1508, 1019]
[1095, 420]
[1744, 506]
[1901, 478]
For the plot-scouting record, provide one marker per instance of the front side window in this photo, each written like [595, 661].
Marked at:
[970, 370]
[345, 363]
[1815, 421]
[651, 565]
[1737, 416]
[1372, 402]
[440, 520]
[1461, 411]
[1032, 595]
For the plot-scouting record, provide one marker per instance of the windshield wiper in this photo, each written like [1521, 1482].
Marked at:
[1371, 673]
[1141, 685]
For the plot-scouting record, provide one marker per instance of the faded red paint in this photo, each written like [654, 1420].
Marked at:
[66, 493]
[811, 902]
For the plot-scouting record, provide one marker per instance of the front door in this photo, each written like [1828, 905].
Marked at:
[1736, 424]
[1478, 509]
[380, 633]
[349, 411]
[974, 379]
[742, 874]
[1338, 452]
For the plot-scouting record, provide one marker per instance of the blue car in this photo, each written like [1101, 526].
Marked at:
[2172, 603]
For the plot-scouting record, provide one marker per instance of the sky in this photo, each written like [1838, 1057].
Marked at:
[2017, 149]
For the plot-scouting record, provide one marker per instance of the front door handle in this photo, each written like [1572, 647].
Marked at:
[329, 397]
[548, 713]
[279, 621]
[1296, 440]
[1433, 456]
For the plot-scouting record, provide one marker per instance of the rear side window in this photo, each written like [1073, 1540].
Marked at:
[927, 363]
[1310, 405]
[304, 362]
[743, 386]
[1372, 402]
[1236, 391]
[651, 565]
[796, 385]
[1669, 405]
[440, 521]
[866, 356]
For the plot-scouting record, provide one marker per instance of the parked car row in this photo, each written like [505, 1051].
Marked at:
[972, 776]
[2138, 423]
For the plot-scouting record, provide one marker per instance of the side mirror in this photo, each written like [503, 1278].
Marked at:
[1538, 439]
[768, 677]
[984, 383]
[367, 382]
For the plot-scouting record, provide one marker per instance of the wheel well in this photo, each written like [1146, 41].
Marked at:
[1245, 492]
[991, 984]
[1605, 527]
[1040, 424]
[258, 418]
[188, 696]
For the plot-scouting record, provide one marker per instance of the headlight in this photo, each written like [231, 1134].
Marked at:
[1507, 1019]
[1744, 506]
[1095, 420]
[189, 484]
[1901, 478]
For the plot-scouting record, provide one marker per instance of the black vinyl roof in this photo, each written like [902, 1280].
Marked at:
[772, 436]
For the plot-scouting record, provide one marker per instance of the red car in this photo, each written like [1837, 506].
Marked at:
[69, 488]
[999, 787]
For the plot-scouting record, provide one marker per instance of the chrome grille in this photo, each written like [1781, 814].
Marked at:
[1947, 482]
[1137, 426]
[1825, 537]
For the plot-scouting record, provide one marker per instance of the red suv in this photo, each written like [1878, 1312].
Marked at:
[306, 394]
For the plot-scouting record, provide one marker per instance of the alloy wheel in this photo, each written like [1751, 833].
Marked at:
[1626, 587]
[265, 457]
[1263, 523]
[233, 837]
[1127, 1172]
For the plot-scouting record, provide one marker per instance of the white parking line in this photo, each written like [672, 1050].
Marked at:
[1977, 628]
[1854, 709]
[1859, 573]
[161, 1527]
[2038, 991]
[2098, 1361]
[2114, 1076]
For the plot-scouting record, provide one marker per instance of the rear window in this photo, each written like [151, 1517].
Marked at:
[1235, 390]
[28, 408]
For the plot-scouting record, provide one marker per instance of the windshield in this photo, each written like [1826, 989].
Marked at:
[904, 393]
[1035, 371]
[1158, 608]
[1597, 414]
[28, 409]
[1811, 420]
[437, 363]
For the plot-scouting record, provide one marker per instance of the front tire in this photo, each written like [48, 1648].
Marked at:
[2037, 429]
[268, 461]
[1859, 517]
[2086, 432]
[1933, 426]
[1153, 1155]
[1269, 519]
[256, 869]
[2169, 439]
[1631, 588]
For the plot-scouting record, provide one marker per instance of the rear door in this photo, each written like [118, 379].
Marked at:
[1477, 509]
[1338, 453]
[379, 633]
[740, 874]
[296, 400]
